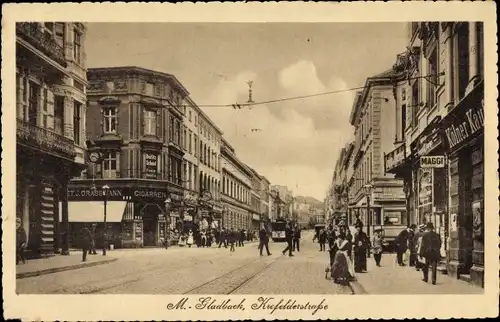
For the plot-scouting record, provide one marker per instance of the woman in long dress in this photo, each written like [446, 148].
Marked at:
[190, 238]
[342, 270]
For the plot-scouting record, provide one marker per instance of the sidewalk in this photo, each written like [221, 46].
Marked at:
[59, 263]
[390, 278]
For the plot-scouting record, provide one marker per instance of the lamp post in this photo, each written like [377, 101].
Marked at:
[368, 190]
[168, 201]
[105, 190]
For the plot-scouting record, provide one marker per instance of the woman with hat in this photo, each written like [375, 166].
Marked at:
[341, 270]
[361, 245]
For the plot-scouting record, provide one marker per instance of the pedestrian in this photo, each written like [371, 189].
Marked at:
[92, 250]
[296, 238]
[190, 238]
[223, 238]
[86, 239]
[322, 240]
[361, 246]
[412, 246]
[341, 270]
[203, 238]
[401, 243]
[349, 238]
[21, 239]
[430, 250]
[377, 246]
[264, 241]
[418, 235]
[242, 238]
[289, 240]
[231, 237]
[330, 237]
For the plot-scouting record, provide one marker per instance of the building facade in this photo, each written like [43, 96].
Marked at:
[255, 201]
[442, 119]
[51, 104]
[373, 118]
[265, 208]
[135, 124]
[285, 201]
[236, 190]
[210, 170]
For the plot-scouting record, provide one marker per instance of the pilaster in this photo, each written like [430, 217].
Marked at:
[68, 116]
[473, 57]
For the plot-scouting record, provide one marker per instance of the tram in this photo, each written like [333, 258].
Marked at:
[278, 228]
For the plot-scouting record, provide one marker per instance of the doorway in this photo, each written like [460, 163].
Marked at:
[150, 214]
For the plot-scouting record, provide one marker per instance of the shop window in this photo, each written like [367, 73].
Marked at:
[110, 164]
[109, 114]
[150, 119]
[392, 218]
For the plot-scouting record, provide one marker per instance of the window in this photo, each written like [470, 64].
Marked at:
[59, 114]
[149, 122]
[33, 101]
[109, 165]
[76, 122]
[150, 88]
[403, 119]
[196, 154]
[415, 103]
[462, 61]
[45, 109]
[77, 55]
[185, 138]
[196, 121]
[59, 33]
[190, 142]
[432, 79]
[109, 119]
[171, 131]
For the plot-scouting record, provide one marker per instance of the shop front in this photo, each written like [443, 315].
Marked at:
[135, 216]
[463, 132]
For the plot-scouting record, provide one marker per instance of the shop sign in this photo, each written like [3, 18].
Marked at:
[175, 197]
[256, 217]
[432, 161]
[190, 197]
[465, 126]
[151, 165]
[80, 194]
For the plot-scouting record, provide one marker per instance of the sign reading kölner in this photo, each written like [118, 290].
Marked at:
[435, 161]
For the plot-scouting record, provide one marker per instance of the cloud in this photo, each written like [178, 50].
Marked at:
[296, 146]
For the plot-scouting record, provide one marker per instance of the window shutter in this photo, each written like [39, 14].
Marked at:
[50, 110]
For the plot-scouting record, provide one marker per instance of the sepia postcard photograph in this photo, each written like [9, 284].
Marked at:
[253, 161]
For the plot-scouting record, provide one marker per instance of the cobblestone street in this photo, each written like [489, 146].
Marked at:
[196, 271]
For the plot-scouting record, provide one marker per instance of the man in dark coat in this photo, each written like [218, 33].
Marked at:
[21, 239]
[361, 246]
[264, 241]
[231, 238]
[430, 251]
[86, 240]
[223, 237]
[242, 238]
[401, 242]
[92, 250]
[296, 238]
[289, 240]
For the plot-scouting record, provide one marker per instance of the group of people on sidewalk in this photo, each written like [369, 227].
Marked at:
[292, 237]
[422, 249]
[218, 237]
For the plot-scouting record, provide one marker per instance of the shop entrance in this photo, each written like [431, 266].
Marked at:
[150, 214]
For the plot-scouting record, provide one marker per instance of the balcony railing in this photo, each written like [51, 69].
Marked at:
[395, 158]
[44, 139]
[33, 34]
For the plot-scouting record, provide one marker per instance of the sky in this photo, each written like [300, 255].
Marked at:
[298, 141]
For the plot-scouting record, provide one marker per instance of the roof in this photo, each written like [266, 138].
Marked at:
[195, 106]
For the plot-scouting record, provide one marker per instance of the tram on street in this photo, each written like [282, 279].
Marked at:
[278, 228]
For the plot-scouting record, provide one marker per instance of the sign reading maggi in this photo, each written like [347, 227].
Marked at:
[436, 161]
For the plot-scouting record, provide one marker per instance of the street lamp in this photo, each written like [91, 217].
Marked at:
[105, 190]
[368, 190]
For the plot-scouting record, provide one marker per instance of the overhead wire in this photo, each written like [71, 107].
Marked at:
[284, 99]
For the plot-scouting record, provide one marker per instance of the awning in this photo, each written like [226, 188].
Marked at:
[93, 211]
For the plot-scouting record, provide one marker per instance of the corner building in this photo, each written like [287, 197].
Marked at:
[442, 115]
[135, 121]
[51, 104]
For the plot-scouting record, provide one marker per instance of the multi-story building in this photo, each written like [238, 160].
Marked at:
[51, 101]
[265, 207]
[439, 148]
[210, 171]
[255, 201]
[286, 200]
[236, 187]
[373, 118]
[134, 123]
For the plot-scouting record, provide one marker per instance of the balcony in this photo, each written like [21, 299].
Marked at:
[45, 140]
[394, 160]
[33, 34]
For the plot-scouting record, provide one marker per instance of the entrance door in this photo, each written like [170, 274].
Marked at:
[150, 225]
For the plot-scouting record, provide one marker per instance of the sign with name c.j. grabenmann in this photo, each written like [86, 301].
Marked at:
[435, 161]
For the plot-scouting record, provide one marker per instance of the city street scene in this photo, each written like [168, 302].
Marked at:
[250, 158]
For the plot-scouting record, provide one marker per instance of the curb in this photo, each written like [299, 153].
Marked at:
[64, 268]
[357, 288]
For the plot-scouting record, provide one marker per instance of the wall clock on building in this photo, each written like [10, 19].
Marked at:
[94, 156]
